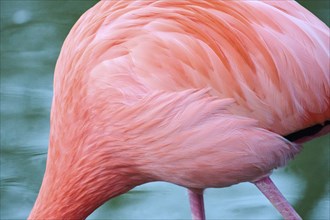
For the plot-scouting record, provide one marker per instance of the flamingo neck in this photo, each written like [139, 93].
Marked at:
[73, 187]
[65, 199]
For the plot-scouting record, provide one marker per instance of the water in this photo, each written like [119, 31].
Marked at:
[32, 33]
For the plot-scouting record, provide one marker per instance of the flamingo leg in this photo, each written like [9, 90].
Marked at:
[268, 188]
[196, 200]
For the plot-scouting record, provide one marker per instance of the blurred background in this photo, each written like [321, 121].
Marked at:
[32, 33]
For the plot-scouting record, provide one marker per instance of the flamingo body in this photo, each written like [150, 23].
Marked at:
[197, 93]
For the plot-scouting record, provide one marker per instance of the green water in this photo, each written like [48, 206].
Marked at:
[32, 33]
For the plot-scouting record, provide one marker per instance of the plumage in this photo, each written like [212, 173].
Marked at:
[197, 93]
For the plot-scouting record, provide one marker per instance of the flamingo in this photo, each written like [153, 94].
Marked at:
[197, 93]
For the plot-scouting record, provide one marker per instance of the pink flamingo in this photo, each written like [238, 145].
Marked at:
[196, 93]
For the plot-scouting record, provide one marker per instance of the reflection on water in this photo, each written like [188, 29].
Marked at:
[31, 36]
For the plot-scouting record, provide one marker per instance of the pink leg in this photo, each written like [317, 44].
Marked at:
[268, 188]
[196, 204]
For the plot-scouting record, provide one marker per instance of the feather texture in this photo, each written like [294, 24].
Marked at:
[192, 92]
